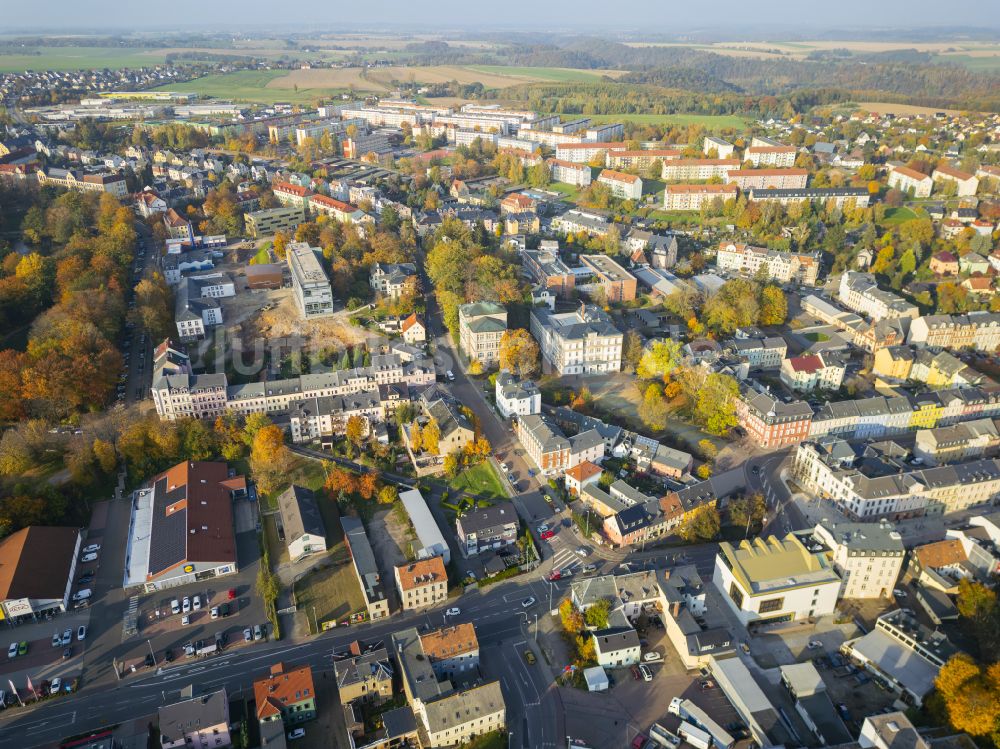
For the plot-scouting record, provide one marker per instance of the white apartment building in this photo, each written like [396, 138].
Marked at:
[966, 184]
[784, 267]
[517, 396]
[812, 372]
[584, 153]
[979, 330]
[605, 132]
[569, 172]
[687, 170]
[385, 117]
[481, 325]
[624, 186]
[584, 341]
[723, 148]
[860, 292]
[747, 179]
[468, 137]
[641, 159]
[310, 285]
[867, 556]
[778, 156]
[827, 467]
[767, 581]
[693, 197]
[905, 179]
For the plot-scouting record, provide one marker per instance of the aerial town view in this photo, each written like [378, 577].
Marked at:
[539, 376]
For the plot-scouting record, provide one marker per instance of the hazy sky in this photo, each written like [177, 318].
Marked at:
[655, 16]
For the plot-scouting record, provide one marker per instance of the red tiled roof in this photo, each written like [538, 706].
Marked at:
[449, 642]
[911, 173]
[702, 188]
[790, 172]
[809, 364]
[583, 471]
[332, 203]
[422, 572]
[954, 173]
[940, 554]
[618, 176]
[289, 188]
[281, 689]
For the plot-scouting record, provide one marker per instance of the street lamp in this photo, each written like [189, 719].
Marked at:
[151, 651]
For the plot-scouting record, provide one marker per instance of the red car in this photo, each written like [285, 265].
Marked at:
[232, 593]
[547, 534]
[556, 575]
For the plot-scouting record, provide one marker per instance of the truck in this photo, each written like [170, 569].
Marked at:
[694, 735]
[663, 737]
[688, 711]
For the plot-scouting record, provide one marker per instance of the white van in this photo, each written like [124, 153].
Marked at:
[83, 595]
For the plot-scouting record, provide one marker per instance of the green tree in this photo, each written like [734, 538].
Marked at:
[703, 526]
[715, 407]
[773, 306]
[748, 512]
[660, 359]
[653, 409]
[596, 615]
[430, 437]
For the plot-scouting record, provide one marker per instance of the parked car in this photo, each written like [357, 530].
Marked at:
[56, 640]
[258, 634]
[652, 657]
[296, 733]
[55, 686]
[185, 620]
[22, 647]
[529, 657]
[86, 558]
[815, 644]
[82, 595]
[453, 611]
[899, 593]
[186, 605]
[504, 467]
[555, 575]
[196, 603]
[232, 594]
[86, 579]
[647, 674]
[543, 527]
[587, 568]
[546, 535]
[189, 650]
[583, 551]
[175, 606]
[12, 650]
[215, 612]
[635, 673]
[67, 637]
[67, 653]
[91, 549]
[247, 635]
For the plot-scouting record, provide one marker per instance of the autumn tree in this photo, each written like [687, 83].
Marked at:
[631, 350]
[154, 307]
[356, 429]
[653, 409]
[430, 437]
[388, 494]
[971, 694]
[715, 406]
[773, 306]
[596, 615]
[367, 485]
[703, 526]
[748, 512]
[452, 465]
[519, 352]
[339, 481]
[416, 437]
[572, 619]
[269, 458]
[659, 359]
[12, 404]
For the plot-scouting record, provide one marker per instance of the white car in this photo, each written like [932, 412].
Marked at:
[196, 603]
[91, 557]
[815, 644]
[185, 620]
[92, 549]
[652, 657]
[215, 612]
[67, 637]
[542, 528]
[504, 467]
[899, 593]
[527, 603]
[298, 733]
[81, 633]
[55, 686]
[647, 675]
[12, 650]
[186, 605]
[82, 595]
[453, 611]
[175, 606]
[56, 640]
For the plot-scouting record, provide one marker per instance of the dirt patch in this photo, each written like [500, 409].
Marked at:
[328, 78]
[391, 542]
[280, 318]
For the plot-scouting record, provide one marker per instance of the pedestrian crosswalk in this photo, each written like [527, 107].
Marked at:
[565, 559]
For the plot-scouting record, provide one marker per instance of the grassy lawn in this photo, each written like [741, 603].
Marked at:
[491, 740]
[330, 593]
[276, 550]
[557, 75]
[248, 85]
[816, 337]
[899, 215]
[481, 479]
[263, 257]
[571, 192]
[709, 121]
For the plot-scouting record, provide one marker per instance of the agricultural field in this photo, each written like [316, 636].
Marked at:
[884, 107]
[247, 85]
[712, 122]
[81, 58]
[553, 75]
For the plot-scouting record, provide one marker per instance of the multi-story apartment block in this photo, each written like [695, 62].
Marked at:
[286, 694]
[759, 353]
[584, 341]
[840, 196]
[515, 396]
[292, 195]
[966, 184]
[885, 486]
[551, 450]
[548, 269]
[453, 651]
[325, 418]
[784, 267]
[200, 722]
[385, 116]
[967, 440]
[868, 556]
[905, 179]
[723, 148]
[569, 172]
[689, 170]
[362, 145]
[771, 422]
[584, 153]
[576, 221]
[619, 285]
[785, 179]
[365, 568]
[979, 330]
[365, 674]
[860, 292]
[338, 210]
[778, 156]
[641, 159]
[693, 197]
[481, 325]
[813, 372]
[310, 284]
[766, 581]
[488, 528]
[422, 583]
[604, 132]
[178, 227]
[622, 185]
[267, 221]
[193, 314]
[70, 179]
